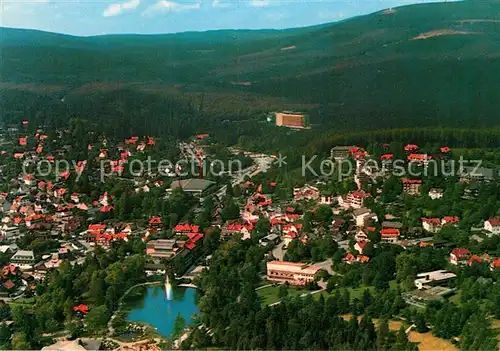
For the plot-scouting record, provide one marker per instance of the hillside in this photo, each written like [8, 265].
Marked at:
[419, 65]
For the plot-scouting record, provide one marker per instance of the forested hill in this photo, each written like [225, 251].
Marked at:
[413, 66]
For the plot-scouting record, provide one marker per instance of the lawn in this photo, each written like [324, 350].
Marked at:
[357, 293]
[270, 295]
[22, 301]
[456, 298]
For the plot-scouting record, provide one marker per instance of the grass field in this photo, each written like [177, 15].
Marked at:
[356, 293]
[270, 295]
[23, 301]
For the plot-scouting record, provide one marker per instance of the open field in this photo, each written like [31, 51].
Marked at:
[22, 301]
[356, 293]
[269, 295]
[426, 341]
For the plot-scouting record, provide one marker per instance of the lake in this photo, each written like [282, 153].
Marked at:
[158, 312]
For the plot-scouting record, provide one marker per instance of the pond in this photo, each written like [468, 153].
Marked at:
[155, 310]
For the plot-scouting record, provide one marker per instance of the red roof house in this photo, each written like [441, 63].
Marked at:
[155, 220]
[474, 259]
[459, 256]
[411, 147]
[83, 309]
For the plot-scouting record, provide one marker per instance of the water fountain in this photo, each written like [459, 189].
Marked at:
[168, 289]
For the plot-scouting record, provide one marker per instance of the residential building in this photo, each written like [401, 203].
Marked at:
[474, 259]
[350, 258]
[390, 235]
[360, 245]
[477, 173]
[432, 225]
[492, 225]
[392, 224]
[361, 236]
[421, 159]
[184, 228]
[24, 259]
[451, 220]
[459, 256]
[237, 228]
[411, 147]
[327, 199]
[495, 264]
[291, 272]
[290, 232]
[435, 193]
[428, 279]
[307, 192]
[361, 215]
[411, 186]
[289, 237]
[9, 232]
[269, 239]
[341, 152]
[354, 199]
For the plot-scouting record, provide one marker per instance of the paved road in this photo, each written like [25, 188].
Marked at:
[262, 165]
[327, 266]
[278, 251]
[303, 295]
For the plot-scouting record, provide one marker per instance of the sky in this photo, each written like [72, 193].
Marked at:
[96, 17]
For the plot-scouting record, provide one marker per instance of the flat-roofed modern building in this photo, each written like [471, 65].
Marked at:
[197, 187]
[290, 119]
[341, 152]
[24, 259]
[161, 248]
[428, 279]
[294, 273]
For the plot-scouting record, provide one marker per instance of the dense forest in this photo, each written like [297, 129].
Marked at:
[231, 310]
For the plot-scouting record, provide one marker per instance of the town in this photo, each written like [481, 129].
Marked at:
[74, 243]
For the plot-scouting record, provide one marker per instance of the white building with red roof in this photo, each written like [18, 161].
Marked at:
[452, 220]
[238, 228]
[360, 245]
[307, 192]
[459, 256]
[184, 228]
[495, 264]
[432, 225]
[411, 186]
[350, 258]
[390, 235]
[492, 225]
[354, 199]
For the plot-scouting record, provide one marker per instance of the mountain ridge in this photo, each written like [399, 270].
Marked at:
[408, 66]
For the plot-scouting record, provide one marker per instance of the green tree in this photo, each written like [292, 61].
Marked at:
[97, 318]
[179, 324]
[20, 341]
[282, 291]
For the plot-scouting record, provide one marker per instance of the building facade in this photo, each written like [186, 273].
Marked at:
[290, 120]
[291, 272]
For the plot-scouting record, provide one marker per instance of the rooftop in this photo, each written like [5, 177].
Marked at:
[192, 184]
